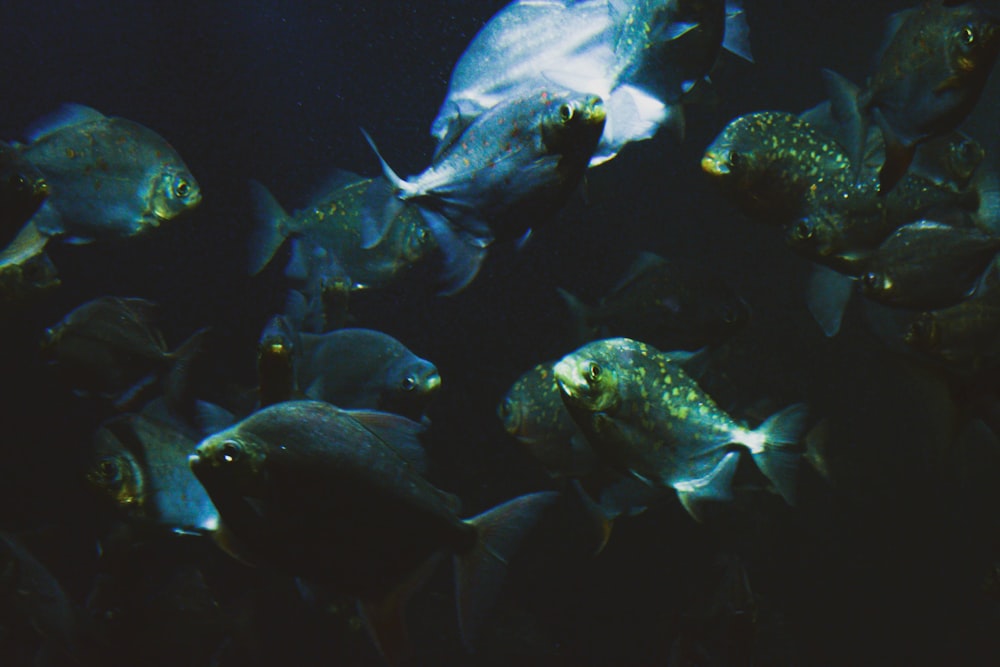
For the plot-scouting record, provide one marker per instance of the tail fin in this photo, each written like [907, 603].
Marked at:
[580, 313]
[480, 571]
[772, 450]
[271, 227]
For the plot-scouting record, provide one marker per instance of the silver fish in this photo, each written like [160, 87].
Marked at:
[108, 177]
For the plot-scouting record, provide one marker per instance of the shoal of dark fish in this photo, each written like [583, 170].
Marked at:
[303, 485]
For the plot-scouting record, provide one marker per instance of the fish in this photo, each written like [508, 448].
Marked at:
[645, 416]
[770, 164]
[930, 74]
[927, 265]
[532, 411]
[366, 369]
[319, 291]
[292, 480]
[511, 170]
[641, 57]
[108, 177]
[277, 357]
[29, 279]
[23, 189]
[965, 335]
[109, 347]
[140, 464]
[673, 304]
[333, 222]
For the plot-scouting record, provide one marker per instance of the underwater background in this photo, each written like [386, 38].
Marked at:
[889, 565]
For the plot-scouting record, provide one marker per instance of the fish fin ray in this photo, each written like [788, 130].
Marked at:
[65, 116]
[396, 431]
[736, 38]
[270, 227]
[776, 458]
[479, 572]
[827, 295]
[716, 486]
[463, 254]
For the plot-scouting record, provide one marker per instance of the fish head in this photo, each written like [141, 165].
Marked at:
[174, 192]
[116, 475]
[572, 123]
[588, 379]
[876, 284]
[417, 241]
[232, 461]
[963, 157]
[411, 385]
[973, 41]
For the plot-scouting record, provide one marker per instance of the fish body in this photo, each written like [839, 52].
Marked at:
[927, 265]
[333, 223]
[930, 74]
[23, 189]
[26, 280]
[645, 416]
[330, 495]
[532, 411]
[510, 55]
[641, 57]
[671, 304]
[771, 164]
[277, 359]
[366, 369]
[110, 347]
[510, 170]
[108, 177]
[140, 464]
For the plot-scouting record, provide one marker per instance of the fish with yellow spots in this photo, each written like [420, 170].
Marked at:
[771, 164]
[333, 222]
[645, 416]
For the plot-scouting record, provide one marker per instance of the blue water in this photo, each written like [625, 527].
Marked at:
[887, 569]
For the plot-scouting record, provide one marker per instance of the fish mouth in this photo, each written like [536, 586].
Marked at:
[570, 381]
[714, 164]
[597, 113]
[432, 382]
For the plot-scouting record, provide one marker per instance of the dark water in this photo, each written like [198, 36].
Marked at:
[886, 569]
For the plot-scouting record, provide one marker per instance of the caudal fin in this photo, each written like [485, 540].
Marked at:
[479, 572]
[775, 448]
[271, 227]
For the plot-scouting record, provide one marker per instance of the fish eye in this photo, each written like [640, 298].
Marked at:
[18, 182]
[108, 469]
[409, 383]
[181, 188]
[566, 113]
[505, 408]
[593, 371]
[968, 35]
[802, 231]
[870, 280]
[231, 451]
[735, 160]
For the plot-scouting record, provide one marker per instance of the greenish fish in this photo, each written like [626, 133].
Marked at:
[22, 191]
[645, 416]
[366, 369]
[140, 464]
[329, 495]
[673, 304]
[532, 411]
[927, 265]
[333, 222]
[931, 73]
[108, 177]
[110, 347]
[770, 164]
